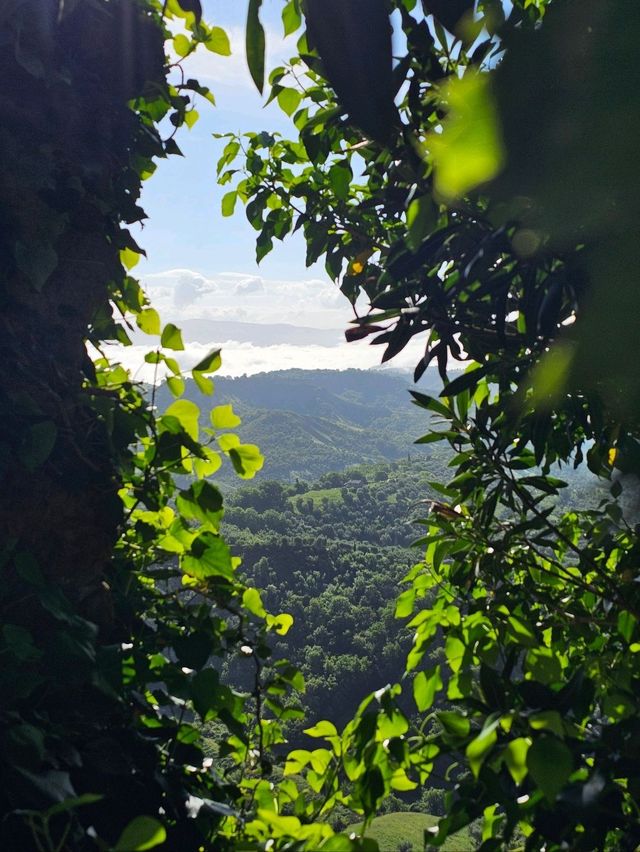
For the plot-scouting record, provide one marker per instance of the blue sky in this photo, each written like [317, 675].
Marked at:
[182, 200]
[200, 267]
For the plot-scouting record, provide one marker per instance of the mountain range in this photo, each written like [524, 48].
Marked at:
[310, 422]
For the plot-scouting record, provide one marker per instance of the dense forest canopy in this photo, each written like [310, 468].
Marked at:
[472, 181]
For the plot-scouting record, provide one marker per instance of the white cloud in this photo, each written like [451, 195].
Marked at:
[240, 359]
[232, 71]
[315, 309]
[180, 294]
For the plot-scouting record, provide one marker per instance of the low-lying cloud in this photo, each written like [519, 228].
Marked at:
[260, 325]
[180, 294]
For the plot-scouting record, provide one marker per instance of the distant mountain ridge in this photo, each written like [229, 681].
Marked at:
[216, 332]
[311, 422]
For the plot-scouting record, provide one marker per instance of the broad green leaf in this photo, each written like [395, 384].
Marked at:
[455, 650]
[479, 748]
[188, 414]
[289, 100]
[190, 117]
[223, 417]
[550, 377]
[148, 321]
[544, 665]
[229, 202]
[255, 44]
[203, 383]
[129, 258]
[322, 729]
[469, 150]
[247, 460]
[218, 42]
[176, 385]
[421, 220]
[205, 691]
[281, 623]
[210, 363]
[209, 557]
[201, 501]
[550, 763]
[181, 45]
[520, 631]
[252, 601]
[171, 337]
[515, 757]
[626, 625]
[547, 720]
[291, 17]
[340, 179]
[296, 761]
[425, 687]
[454, 723]
[73, 803]
[142, 833]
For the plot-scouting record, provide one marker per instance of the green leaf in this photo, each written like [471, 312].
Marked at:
[190, 117]
[203, 384]
[148, 321]
[73, 803]
[421, 220]
[291, 17]
[229, 202]
[340, 179]
[464, 382]
[252, 601]
[547, 720]
[187, 413]
[223, 417]
[181, 45]
[356, 54]
[425, 687]
[129, 258]
[202, 502]
[171, 337]
[515, 756]
[454, 723]
[544, 665]
[626, 624]
[246, 459]
[176, 385]
[255, 44]
[479, 748]
[455, 650]
[550, 763]
[205, 691]
[209, 557]
[322, 729]
[218, 42]
[469, 150]
[281, 623]
[289, 100]
[142, 833]
[210, 363]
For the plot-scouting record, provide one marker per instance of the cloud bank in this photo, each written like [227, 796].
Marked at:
[260, 325]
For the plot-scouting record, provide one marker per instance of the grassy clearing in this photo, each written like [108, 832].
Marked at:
[333, 495]
[389, 830]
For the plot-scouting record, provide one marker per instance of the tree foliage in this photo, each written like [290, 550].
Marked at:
[489, 219]
[119, 595]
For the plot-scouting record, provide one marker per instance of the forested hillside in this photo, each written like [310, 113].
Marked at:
[310, 422]
[332, 554]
